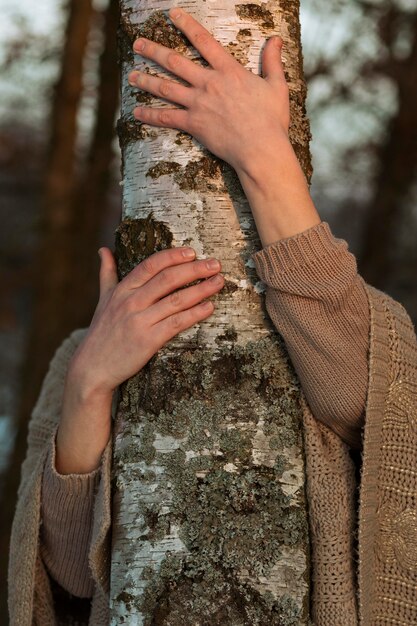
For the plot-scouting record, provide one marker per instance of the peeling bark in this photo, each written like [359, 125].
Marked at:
[209, 510]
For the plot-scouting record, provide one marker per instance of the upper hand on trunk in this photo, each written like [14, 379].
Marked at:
[230, 110]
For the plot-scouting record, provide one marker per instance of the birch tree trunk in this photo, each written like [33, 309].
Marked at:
[209, 509]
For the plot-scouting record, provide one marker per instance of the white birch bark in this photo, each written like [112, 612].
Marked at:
[209, 512]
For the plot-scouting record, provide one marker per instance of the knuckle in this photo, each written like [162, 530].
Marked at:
[200, 102]
[174, 255]
[133, 326]
[196, 122]
[202, 38]
[176, 321]
[175, 299]
[164, 279]
[147, 266]
[282, 86]
[199, 267]
[129, 306]
[165, 88]
[173, 60]
[164, 117]
[140, 79]
[214, 87]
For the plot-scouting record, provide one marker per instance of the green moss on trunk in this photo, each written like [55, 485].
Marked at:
[232, 512]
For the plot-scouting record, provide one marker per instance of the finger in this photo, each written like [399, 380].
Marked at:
[168, 118]
[202, 39]
[272, 66]
[108, 272]
[167, 89]
[183, 299]
[174, 278]
[155, 263]
[108, 279]
[171, 326]
[172, 60]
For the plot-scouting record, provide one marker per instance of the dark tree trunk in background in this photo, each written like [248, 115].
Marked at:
[91, 198]
[397, 168]
[55, 299]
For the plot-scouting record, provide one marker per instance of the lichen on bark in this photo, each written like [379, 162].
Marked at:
[211, 478]
[209, 511]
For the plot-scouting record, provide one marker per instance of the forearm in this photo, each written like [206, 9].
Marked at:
[84, 427]
[278, 193]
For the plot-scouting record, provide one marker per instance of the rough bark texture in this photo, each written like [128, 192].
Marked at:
[209, 510]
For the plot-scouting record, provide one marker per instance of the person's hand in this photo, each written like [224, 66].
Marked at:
[229, 109]
[240, 117]
[134, 318]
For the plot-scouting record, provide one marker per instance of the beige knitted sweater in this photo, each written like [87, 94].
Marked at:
[354, 348]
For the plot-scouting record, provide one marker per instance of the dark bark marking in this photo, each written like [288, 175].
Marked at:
[195, 175]
[199, 174]
[256, 13]
[229, 335]
[162, 168]
[299, 125]
[137, 239]
[243, 34]
[156, 28]
[130, 130]
[182, 137]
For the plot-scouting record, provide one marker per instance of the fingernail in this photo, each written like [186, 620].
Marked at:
[217, 280]
[176, 13]
[188, 253]
[207, 304]
[212, 264]
[139, 45]
[132, 78]
[99, 253]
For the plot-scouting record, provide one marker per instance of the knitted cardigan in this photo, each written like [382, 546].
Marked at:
[385, 592]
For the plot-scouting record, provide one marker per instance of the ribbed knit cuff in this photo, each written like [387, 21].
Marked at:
[316, 248]
[67, 513]
[68, 485]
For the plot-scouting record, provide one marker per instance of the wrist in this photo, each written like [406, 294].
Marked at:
[278, 194]
[85, 378]
[85, 425]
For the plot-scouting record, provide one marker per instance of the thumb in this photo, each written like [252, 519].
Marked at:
[272, 67]
[108, 271]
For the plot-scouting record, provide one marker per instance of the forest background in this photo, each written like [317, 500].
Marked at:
[60, 198]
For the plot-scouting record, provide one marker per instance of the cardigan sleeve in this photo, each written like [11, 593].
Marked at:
[67, 513]
[318, 302]
[30, 589]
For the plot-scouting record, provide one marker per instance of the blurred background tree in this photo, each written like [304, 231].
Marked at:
[361, 68]
[60, 166]
[71, 205]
